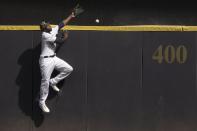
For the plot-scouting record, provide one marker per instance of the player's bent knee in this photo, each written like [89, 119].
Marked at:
[68, 69]
[71, 69]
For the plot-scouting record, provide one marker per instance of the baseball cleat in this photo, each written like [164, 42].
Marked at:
[55, 88]
[43, 107]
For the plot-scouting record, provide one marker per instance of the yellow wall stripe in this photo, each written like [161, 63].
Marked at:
[108, 28]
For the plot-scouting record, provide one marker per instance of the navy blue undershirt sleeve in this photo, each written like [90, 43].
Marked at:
[61, 25]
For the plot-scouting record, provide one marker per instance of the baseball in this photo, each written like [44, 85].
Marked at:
[97, 20]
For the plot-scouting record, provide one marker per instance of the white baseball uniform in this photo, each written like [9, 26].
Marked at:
[47, 65]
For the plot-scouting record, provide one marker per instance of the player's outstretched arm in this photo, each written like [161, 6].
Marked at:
[75, 12]
[65, 21]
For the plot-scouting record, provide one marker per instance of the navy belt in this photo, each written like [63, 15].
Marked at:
[49, 56]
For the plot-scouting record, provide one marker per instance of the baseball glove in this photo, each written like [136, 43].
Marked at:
[77, 10]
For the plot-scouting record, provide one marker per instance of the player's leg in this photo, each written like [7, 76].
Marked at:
[46, 68]
[64, 68]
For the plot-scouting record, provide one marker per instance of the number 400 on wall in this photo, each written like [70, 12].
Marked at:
[170, 54]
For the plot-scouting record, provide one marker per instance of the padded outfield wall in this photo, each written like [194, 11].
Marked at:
[140, 78]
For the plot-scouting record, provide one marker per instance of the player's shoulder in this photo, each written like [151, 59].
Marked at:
[45, 35]
[55, 27]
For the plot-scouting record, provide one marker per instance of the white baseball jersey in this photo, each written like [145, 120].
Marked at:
[47, 65]
[48, 44]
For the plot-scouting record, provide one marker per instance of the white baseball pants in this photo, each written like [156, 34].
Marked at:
[47, 65]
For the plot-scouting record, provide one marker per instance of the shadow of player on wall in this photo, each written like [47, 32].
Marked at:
[28, 80]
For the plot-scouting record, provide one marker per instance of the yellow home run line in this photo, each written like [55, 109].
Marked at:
[107, 28]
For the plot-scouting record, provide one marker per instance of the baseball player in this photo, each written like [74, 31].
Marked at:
[49, 61]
